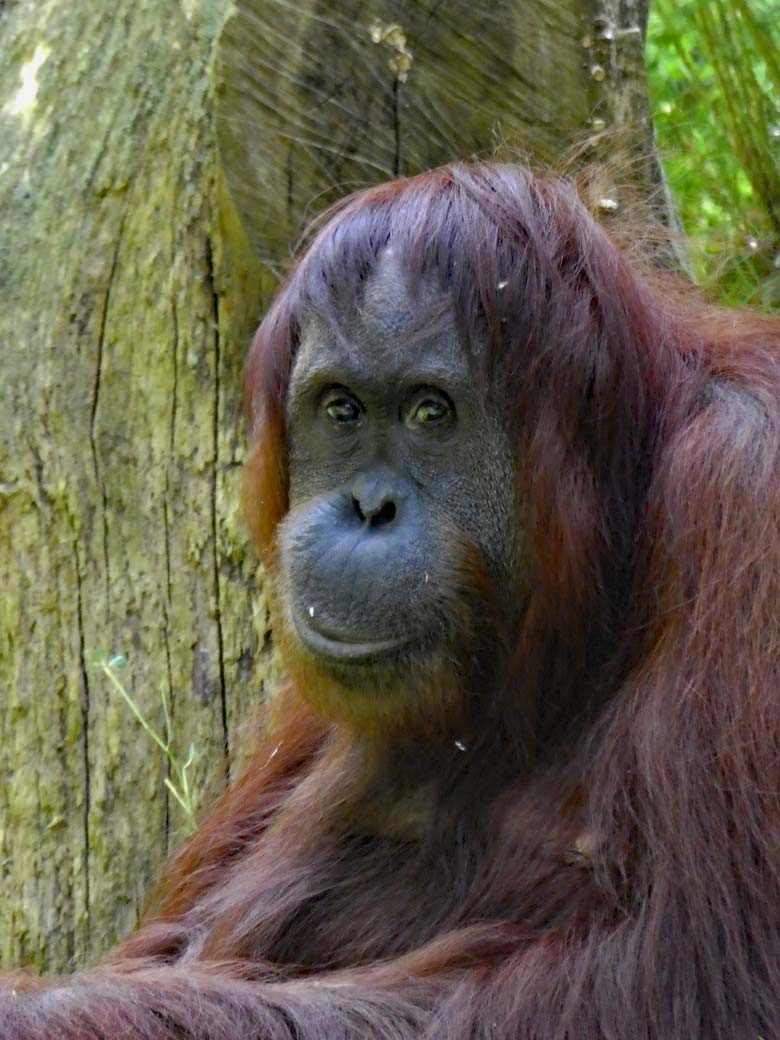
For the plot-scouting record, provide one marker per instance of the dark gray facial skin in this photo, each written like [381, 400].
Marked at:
[401, 474]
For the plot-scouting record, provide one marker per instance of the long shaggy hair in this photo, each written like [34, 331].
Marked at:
[601, 857]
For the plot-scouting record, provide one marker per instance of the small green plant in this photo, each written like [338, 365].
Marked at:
[179, 787]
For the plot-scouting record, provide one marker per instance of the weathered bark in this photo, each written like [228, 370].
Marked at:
[128, 299]
[323, 96]
[129, 291]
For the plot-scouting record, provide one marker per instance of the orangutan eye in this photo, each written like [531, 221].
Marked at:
[341, 408]
[429, 409]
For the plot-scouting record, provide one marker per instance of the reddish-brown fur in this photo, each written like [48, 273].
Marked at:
[602, 862]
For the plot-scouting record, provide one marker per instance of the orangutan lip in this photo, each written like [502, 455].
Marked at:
[345, 651]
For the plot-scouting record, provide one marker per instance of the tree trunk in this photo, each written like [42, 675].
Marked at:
[157, 159]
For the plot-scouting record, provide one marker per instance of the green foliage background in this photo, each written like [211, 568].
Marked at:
[714, 75]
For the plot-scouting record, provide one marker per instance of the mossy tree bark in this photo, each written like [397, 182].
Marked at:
[157, 159]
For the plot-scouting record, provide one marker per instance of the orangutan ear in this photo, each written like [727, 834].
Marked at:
[264, 486]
